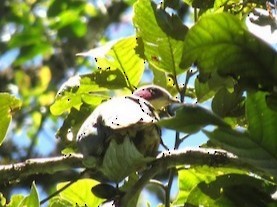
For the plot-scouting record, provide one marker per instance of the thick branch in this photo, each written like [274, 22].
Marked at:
[170, 159]
[164, 161]
[49, 165]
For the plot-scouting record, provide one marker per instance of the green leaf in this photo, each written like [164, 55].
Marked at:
[226, 104]
[60, 202]
[30, 51]
[246, 148]
[271, 101]
[229, 190]
[203, 91]
[29, 36]
[90, 88]
[189, 179]
[9, 104]
[207, 85]
[79, 28]
[190, 118]
[2, 200]
[162, 36]
[262, 122]
[15, 200]
[220, 43]
[80, 193]
[123, 57]
[72, 123]
[32, 200]
[121, 159]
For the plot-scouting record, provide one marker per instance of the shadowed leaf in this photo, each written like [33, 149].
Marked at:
[190, 118]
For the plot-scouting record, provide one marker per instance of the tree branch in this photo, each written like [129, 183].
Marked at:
[165, 160]
[12, 172]
[170, 159]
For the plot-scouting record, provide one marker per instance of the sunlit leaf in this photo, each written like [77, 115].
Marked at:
[122, 56]
[9, 104]
[15, 200]
[79, 28]
[220, 42]
[190, 118]
[2, 200]
[32, 199]
[162, 36]
[90, 88]
[44, 76]
[188, 179]
[60, 202]
[80, 193]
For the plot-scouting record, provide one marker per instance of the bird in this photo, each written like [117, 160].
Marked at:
[121, 133]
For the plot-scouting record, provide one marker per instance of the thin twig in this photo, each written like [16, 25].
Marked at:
[62, 189]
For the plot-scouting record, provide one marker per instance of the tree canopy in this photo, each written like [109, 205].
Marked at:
[61, 59]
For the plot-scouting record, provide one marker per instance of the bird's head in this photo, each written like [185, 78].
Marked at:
[157, 96]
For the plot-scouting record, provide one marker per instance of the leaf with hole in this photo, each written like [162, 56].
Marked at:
[162, 36]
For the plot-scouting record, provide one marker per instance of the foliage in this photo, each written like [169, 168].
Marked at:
[217, 63]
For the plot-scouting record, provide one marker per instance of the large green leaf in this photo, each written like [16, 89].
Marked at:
[220, 42]
[60, 202]
[188, 179]
[190, 118]
[118, 67]
[210, 186]
[162, 36]
[121, 159]
[9, 104]
[262, 122]
[123, 56]
[15, 200]
[79, 193]
[90, 88]
[246, 148]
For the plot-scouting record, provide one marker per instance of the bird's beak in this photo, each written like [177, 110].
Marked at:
[174, 100]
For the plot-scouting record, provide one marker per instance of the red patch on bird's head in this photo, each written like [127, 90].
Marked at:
[144, 93]
[149, 93]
